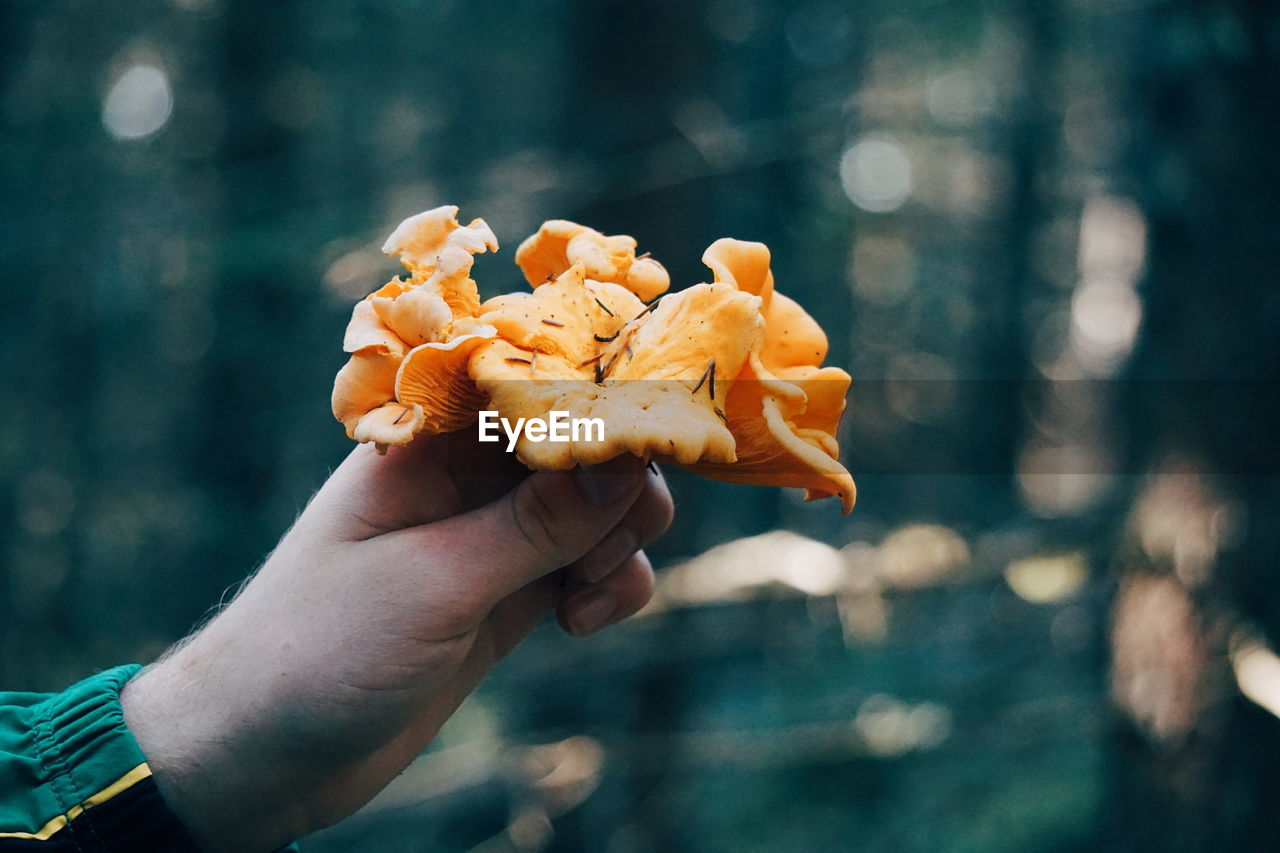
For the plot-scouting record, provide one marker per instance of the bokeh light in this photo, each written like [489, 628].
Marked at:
[876, 174]
[138, 104]
[1047, 578]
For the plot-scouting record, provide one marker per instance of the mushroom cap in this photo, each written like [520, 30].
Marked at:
[647, 378]
[410, 340]
[784, 410]
[559, 244]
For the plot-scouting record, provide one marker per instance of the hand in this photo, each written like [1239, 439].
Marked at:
[406, 578]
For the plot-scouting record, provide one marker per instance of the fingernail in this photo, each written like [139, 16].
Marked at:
[590, 612]
[609, 553]
[609, 481]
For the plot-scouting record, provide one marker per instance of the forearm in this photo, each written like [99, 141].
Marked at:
[204, 737]
[259, 728]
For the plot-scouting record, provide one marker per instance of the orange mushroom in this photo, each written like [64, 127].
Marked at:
[784, 410]
[604, 355]
[560, 244]
[722, 378]
[409, 340]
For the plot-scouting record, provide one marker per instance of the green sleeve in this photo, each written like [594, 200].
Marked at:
[72, 776]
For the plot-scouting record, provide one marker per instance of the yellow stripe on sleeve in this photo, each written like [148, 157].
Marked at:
[124, 783]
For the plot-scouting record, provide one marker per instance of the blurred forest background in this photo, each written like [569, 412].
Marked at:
[1040, 234]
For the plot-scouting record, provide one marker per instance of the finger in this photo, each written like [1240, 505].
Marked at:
[370, 493]
[373, 493]
[598, 605]
[648, 518]
[549, 520]
[481, 472]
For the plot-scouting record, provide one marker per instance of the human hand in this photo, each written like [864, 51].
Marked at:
[402, 583]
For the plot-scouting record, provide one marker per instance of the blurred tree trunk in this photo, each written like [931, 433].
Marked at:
[1031, 129]
[1195, 762]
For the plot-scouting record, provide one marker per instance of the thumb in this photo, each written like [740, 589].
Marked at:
[546, 522]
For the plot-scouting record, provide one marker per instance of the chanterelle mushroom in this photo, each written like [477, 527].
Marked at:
[722, 378]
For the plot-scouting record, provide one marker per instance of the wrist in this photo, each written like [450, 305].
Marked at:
[192, 730]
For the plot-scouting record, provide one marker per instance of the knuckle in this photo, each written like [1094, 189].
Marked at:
[540, 519]
[640, 584]
[666, 510]
[657, 511]
[648, 580]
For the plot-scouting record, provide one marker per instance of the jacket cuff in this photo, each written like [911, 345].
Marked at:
[87, 783]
